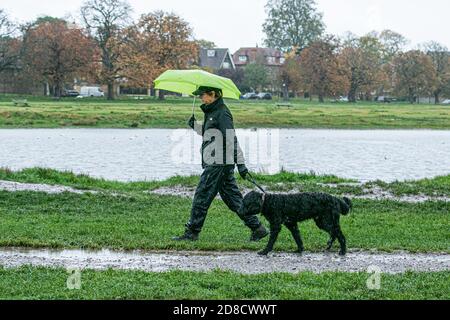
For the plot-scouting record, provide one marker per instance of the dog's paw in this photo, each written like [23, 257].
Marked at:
[299, 251]
[263, 253]
[342, 253]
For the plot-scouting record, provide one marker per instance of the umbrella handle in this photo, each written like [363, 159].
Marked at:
[193, 107]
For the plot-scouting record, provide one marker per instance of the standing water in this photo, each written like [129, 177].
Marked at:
[153, 154]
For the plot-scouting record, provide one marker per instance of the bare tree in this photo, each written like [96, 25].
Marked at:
[393, 43]
[292, 24]
[105, 20]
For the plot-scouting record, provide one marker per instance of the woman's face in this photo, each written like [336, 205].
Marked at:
[208, 99]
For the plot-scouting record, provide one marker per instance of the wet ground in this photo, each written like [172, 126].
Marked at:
[374, 193]
[51, 189]
[241, 262]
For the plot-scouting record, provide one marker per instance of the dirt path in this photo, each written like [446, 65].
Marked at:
[241, 262]
[51, 189]
[372, 194]
[186, 192]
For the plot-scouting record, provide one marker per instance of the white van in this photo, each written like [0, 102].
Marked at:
[91, 92]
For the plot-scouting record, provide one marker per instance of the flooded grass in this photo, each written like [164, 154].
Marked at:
[123, 216]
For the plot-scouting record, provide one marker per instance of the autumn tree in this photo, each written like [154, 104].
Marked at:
[414, 74]
[158, 42]
[57, 53]
[256, 74]
[440, 57]
[105, 20]
[361, 58]
[289, 74]
[292, 23]
[9, 44]
[320, 70]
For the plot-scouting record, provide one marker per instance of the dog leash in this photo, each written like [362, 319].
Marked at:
[252, 180]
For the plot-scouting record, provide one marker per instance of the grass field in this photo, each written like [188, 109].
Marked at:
[124, 216]
[42, 283]
[174, 112]
[132, 219]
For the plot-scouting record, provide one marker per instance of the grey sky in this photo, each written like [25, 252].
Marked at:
[238, 23]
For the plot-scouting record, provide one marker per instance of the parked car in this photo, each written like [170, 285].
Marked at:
[70, 93]
[91, 92]
[385, 99]
[446, 101]
[343, 99]
[264, 96]
[250, 96]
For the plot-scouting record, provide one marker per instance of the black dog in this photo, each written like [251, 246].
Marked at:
[289, 209]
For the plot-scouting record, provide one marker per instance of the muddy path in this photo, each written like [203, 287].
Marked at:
[50, 189]
[241, 262]
[374, 193]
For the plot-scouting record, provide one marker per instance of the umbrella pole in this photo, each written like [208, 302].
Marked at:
[193, 107]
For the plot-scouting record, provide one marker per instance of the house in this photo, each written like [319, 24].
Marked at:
[271, 58]
[216, 59]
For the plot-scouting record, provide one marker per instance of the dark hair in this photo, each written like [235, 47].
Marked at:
[217, 93]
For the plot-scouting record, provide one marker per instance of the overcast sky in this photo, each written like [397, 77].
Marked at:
[238, 23]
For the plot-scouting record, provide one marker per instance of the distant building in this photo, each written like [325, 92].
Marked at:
[271, 58]
[216, 59]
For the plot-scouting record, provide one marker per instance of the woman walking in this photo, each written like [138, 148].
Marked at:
[220, 154]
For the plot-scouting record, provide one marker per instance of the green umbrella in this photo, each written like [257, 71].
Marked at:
[187, 81]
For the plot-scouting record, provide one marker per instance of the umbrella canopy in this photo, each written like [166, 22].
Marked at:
[187, 81]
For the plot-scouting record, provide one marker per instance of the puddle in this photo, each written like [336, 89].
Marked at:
[13, 186]
[148, 154]
[241, 262]
[375, 193]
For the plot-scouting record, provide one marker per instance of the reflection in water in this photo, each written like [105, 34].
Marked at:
[131, 155]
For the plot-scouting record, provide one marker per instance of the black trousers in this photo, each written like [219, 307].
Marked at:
[214, 180]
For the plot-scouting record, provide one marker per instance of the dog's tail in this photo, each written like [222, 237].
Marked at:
[346, 206]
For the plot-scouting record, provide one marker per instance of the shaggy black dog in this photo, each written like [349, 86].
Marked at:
[289, 209]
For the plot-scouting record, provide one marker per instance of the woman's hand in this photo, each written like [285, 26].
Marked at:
[243, 171]
[191, 122]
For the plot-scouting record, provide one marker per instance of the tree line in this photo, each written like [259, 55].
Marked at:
[107, 46]
[363, 67]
